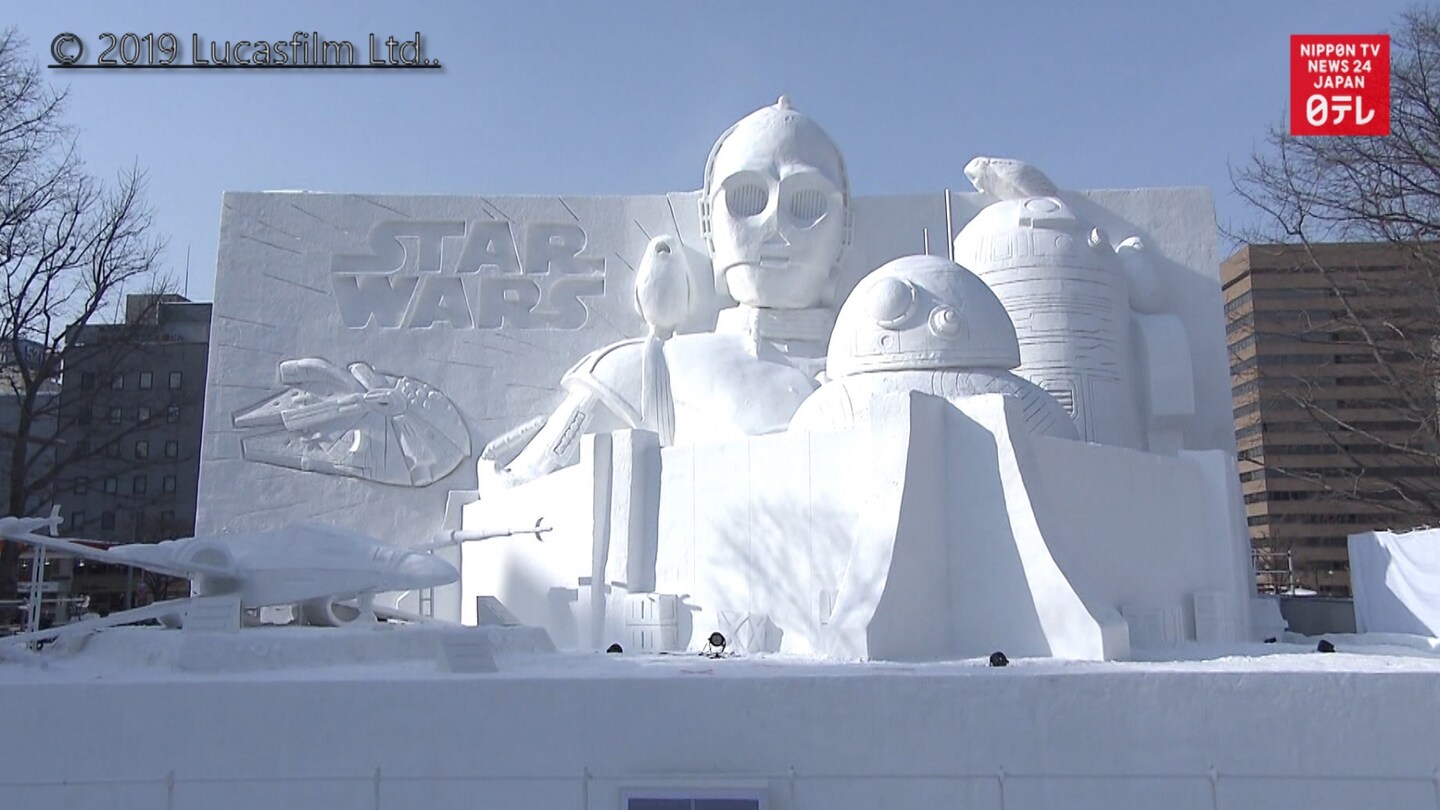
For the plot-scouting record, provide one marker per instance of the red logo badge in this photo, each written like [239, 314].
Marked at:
[1340, 84]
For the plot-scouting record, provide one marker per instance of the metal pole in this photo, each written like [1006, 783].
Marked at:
[949, 229]
[37, 581]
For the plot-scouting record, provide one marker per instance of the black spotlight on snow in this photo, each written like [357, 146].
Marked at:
[715, 645]
[1271, 640]
[1325, 646]
[614, 648]
[998, 659]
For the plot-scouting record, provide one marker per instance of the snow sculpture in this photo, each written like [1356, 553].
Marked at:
[316, 567]
[1008, 179]
[921, 323]
[1079, 311]
[365, 424]
[663, 297]
[933, 528]
[775, 216]
[1396, 578]
[1167, 395]
[929, 500]
[1062, 286]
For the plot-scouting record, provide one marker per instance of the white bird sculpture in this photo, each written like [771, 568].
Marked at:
[663, 298]
[1008, 179]
[662, 286]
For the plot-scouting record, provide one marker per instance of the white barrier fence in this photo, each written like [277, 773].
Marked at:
[1001, 790]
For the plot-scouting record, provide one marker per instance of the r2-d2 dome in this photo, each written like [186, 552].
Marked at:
[922, 323]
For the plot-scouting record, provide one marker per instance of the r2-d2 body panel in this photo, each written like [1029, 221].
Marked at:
[1066, 293]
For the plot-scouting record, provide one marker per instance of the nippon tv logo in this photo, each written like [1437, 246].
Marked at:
[1340, 84]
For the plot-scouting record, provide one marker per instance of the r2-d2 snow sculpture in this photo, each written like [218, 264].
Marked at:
[1066, 292]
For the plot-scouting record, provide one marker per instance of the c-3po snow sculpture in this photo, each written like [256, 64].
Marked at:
[775, 216]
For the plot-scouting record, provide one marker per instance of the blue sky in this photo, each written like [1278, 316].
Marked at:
[626, 97]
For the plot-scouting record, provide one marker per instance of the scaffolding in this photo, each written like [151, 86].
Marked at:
[1274, 571]
[42, 602]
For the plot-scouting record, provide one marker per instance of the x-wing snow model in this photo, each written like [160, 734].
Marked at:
[322, 569]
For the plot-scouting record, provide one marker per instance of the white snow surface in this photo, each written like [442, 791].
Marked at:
[1396, 580]
[152, 654]
[124, 723]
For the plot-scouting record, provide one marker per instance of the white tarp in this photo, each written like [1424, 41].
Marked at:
[1396, 581]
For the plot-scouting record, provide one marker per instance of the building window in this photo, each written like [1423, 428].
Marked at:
[82, 448]
[87, 381]
[142, 449]
[109, 487]
[692, 800]
[83, 418]
[77, 521]
[112, 450]
[142, 415]
[82, 486]
[107, 521]
[117, 381]
[168, 484]
[167, 518]
[116, 415]
[172, 449]
[147, 380]
[175, 380]
[172, 413]
[138, 485]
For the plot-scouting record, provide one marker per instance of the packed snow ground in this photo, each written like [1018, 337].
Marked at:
[305, 719]
[151, 654]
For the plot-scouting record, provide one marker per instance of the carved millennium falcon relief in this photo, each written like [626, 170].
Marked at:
[362, 424]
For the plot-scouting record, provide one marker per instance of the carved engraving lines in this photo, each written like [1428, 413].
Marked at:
[364, 424]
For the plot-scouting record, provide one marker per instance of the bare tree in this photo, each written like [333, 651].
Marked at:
[70, 247]
[1368, 395]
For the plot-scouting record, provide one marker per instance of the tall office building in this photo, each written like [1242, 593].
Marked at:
[39, 445]
[1333, 376]
[131, 405]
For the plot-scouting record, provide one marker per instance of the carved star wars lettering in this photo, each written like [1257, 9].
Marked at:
[410, 281]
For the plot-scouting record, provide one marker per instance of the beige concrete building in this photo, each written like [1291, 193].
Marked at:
[1333, 377]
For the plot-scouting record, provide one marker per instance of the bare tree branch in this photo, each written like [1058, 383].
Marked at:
[1356, 381]
[71, 246]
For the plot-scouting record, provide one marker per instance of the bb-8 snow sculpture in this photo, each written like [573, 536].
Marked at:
[922, 323]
